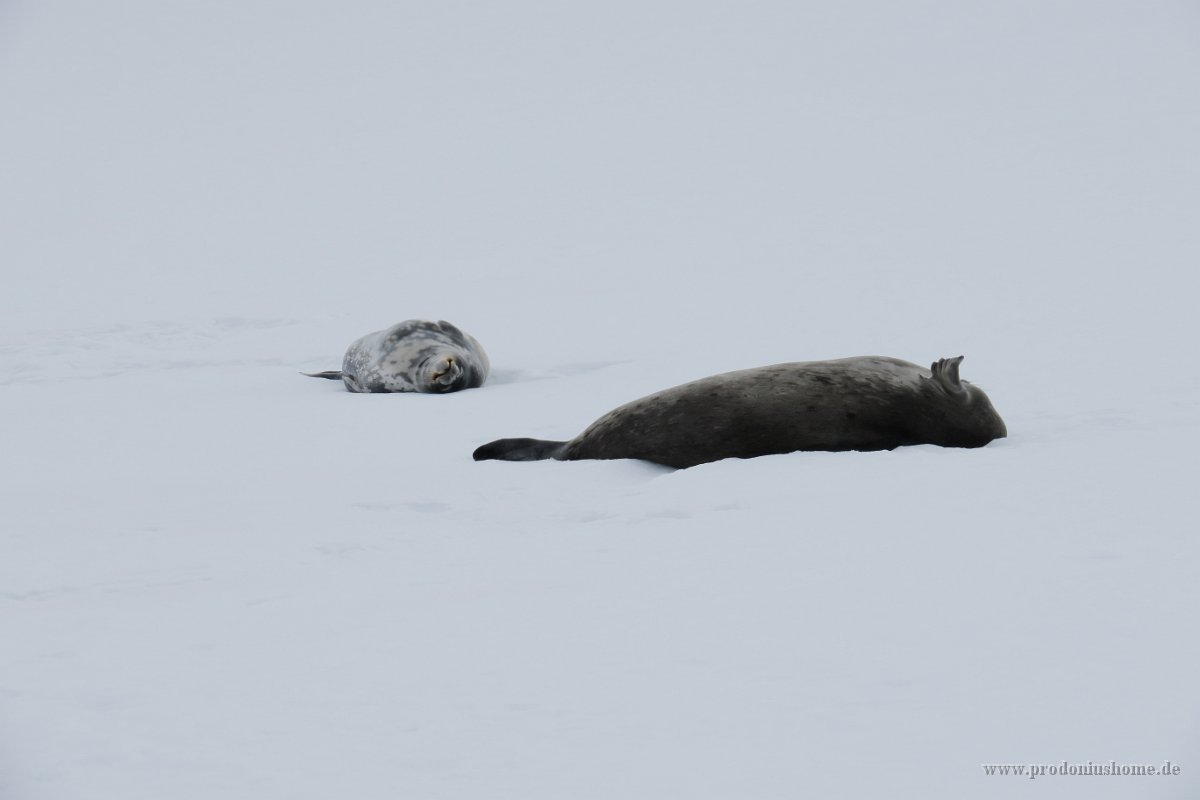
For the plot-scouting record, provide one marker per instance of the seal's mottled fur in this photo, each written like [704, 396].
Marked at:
[413, 356]
[865, 403]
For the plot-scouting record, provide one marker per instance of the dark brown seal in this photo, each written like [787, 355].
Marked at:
[865, 403]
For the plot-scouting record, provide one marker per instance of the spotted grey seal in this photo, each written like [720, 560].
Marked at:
[413, 356]
[864, 403]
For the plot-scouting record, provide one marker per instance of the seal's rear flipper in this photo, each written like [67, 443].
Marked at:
[945, 372]
[333, 374]
[518, 450]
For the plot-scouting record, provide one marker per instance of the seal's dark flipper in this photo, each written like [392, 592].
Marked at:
[450, 328]
[332, 374]
[945, 372]
[518, 450]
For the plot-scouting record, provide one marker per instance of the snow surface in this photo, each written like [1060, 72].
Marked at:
[219, 579]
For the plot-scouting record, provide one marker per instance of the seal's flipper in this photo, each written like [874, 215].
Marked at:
[518, 450]
[450, 328]
[332, 374]
[945, 372]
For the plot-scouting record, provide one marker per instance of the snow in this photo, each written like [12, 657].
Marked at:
[223, 579]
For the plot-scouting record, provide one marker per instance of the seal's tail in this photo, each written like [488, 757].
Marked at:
[332, 374]
[519, 450]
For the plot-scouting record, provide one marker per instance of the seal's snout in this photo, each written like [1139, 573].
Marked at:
[446, 371]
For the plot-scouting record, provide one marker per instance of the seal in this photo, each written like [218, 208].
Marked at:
[412, 356]
[864, 403]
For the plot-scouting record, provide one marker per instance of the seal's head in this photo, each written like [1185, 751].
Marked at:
[444, 371]
[972, 421]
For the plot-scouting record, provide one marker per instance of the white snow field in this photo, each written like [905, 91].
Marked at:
[221, 579]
